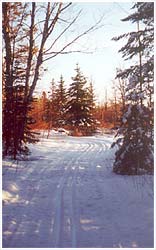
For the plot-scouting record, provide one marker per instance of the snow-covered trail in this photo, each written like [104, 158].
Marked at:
[67, 196]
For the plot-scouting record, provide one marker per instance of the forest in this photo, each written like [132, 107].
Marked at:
[75, 107]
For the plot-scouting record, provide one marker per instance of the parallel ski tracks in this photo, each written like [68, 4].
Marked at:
[91, 149]
[71, 168]
[71, 171]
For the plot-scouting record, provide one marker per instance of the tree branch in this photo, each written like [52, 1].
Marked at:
[72, 22]
[91, 29]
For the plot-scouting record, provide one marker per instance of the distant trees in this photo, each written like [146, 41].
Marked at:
[55, 111]
[32, 34]
[50, 110]
[135, 152]
[72, 107]
[109, 112]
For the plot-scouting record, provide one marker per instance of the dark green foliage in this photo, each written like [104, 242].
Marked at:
[80, 105]
[135, 154]
[56, 105]
[135, 145]
[61, 101]
[90, 100]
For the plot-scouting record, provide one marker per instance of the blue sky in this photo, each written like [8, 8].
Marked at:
[101, 65]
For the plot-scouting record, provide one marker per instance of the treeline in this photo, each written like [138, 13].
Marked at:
[72, 107]
[75, 108]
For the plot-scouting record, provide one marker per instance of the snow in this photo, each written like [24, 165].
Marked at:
[132, 81]
[66, 195]
[128, 113]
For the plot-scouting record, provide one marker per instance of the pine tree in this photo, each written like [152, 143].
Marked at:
[135, 153]
[61, 101]
[79, 105]
[90, 101]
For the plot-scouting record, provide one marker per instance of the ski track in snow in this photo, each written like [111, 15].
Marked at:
[58, 224]
[67, 196]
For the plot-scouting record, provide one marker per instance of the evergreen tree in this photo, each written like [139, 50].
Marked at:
[61, 101]
[135, 153]
[79, 104]
[51, 110]
[90, 101]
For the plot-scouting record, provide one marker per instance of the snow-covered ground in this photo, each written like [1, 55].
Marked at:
[66, 195]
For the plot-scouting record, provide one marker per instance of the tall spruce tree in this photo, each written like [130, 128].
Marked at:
[135, 153]
[61, 101]
[79, 104]
[90, 100]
